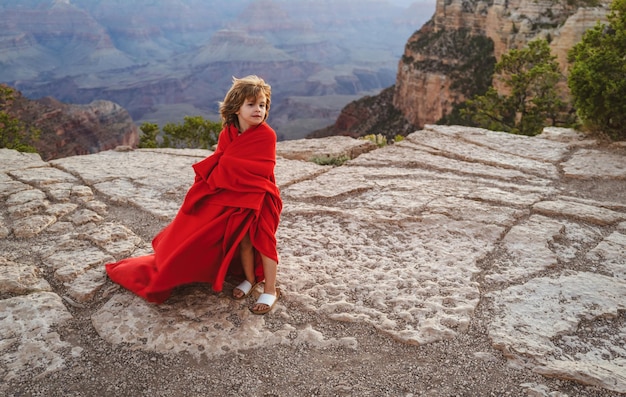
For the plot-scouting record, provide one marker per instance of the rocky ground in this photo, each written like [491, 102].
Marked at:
[458, 262]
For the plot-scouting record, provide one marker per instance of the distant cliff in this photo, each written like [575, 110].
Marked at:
[369, 115]
[172, 58]
[69, 130]
[451, 57]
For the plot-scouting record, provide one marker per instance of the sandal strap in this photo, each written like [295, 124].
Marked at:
[266, 299]
[244, 287]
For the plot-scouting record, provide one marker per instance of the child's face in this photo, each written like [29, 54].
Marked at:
[252, 112]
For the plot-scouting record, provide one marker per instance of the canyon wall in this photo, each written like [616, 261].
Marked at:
[70, 129]
[437, 62]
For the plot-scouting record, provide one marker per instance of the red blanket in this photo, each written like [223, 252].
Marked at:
[234, 192]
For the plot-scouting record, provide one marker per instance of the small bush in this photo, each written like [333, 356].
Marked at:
[378, 139]
[330, 160]
[596, 75]
[14, 133]
[194, 132]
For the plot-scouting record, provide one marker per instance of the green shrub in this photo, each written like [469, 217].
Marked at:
[531, 76]
[14, 133]
[378, 139]
[194, 132]
[148, 138]
[596, 77]
[330, 160]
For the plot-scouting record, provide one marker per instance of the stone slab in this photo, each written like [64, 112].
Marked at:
[418, 240]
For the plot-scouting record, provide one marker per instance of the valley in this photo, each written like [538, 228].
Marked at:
[164, 61]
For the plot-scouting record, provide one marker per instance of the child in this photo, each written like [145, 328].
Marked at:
[227, 223]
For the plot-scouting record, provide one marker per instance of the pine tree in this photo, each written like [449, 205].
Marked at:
[530, 78]
[597, 77]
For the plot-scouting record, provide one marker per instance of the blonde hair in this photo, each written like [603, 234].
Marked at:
[248, 87]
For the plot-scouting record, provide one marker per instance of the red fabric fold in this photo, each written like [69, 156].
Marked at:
[234, 192]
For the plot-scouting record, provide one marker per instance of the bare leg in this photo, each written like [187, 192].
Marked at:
[246, 251]
[269, 269]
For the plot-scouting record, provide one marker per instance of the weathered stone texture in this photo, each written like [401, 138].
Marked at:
[416, 239]
[19, 279]
[556, 308]
[27, 336]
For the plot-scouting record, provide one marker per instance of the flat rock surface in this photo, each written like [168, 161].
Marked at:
[458, 261]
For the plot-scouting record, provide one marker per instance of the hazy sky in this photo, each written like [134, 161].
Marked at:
[406, 3]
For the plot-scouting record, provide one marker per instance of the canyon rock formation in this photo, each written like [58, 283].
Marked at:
[169, 59]
[448, 60]
[69, 130]
[425, 88]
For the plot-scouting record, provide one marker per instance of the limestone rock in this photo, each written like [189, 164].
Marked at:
[28, 341]
[584, 164]
[335, 147]
[421, 241]
[14, 160]
[542, 320]
[19, 279]
[584, 212]
[31, 226]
